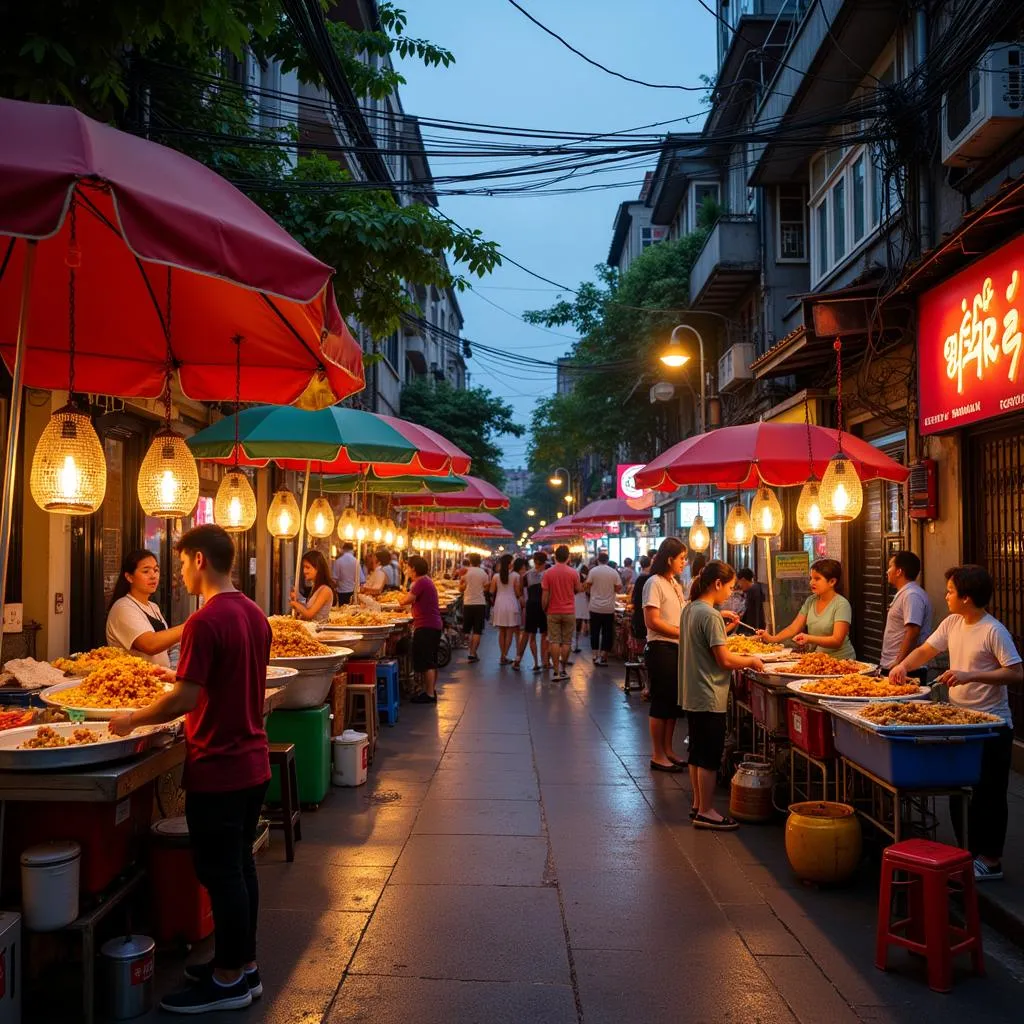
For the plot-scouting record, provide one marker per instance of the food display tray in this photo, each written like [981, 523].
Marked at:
[108, 749]
[779, 671]
[852, 714]
[797, 686]
[48, 696]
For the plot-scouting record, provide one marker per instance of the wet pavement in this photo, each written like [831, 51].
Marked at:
[512, 859]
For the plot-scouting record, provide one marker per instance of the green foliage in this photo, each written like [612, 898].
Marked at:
[622, 323]
[472, 418]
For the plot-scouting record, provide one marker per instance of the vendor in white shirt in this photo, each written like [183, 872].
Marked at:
[909, 619]
[134, 622]
[983, 662]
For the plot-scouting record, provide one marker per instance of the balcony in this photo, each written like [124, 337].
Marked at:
[727, 265]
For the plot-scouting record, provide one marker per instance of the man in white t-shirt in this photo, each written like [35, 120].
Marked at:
[603, 583]
[910, 615]
[983, 662]
[474, 604]
[346, 572]
[376, 578]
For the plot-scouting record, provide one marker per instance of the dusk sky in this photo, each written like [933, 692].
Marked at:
[509, 72]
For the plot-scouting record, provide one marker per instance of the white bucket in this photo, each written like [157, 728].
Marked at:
[49, 885]
[350, 752]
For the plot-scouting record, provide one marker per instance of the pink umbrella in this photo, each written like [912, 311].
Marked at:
[477, 494]
[610, 510]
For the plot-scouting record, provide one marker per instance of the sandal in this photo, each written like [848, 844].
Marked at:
[693, 813]
[537, 668]
[515, 666]
[712, 825]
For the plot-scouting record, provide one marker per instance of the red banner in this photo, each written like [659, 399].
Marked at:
[969, 343]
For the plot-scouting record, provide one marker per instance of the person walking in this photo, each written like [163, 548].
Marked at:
[983, 664]
[753, 599]
[910, 614]
[559, 588]
[582, 610]
[535, 620]
[505, 588]
[603, 584]
[346, 572]
[220, 688]
[627, 574]
[426, 627]
[705, 671]
[473, 587]
[663, 603]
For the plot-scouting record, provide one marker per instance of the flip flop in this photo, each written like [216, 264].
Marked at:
[725, 825]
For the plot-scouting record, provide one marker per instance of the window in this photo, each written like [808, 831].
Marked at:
[391, 349]
[645, 238]
[839, 219]
[699, 192]
[859, 198]
[792, 223]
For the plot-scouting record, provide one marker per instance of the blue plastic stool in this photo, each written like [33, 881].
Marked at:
[387, 689]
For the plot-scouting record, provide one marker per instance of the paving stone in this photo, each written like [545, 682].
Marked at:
[762, 931]
[489, 784]
[479, 817]
[308, 885]
[464, 761]
[811, 996]
[472, 860]
[489, 743]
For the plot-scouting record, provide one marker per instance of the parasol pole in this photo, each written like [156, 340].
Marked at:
[771, 590]
[14, 427]
[302, 527]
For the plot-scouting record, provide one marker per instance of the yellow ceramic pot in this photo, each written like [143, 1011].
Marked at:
[823, 841]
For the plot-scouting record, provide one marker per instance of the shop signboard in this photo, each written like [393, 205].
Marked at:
[626, 488]
[791, 584]
[969, 343]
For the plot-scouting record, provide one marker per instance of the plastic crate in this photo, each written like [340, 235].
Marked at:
[913, 762]
[768, 707]
[810, 729]
[309, 730]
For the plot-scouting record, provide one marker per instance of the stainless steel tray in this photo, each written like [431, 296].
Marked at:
[798, 687]
[109, 748]
[852, 714]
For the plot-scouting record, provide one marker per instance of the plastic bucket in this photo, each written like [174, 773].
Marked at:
[129, 969]
[350, 752]
[49, 885]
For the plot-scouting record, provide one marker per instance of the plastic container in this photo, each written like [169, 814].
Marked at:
[823, 841]
[49, 885]
[810, 729]
[750, 795]
[129, 967]
[768, 707]
[181, 906]
[351, 757]
[913, 762]
[361, 671]
[310, 731]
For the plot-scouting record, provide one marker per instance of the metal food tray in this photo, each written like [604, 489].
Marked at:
[797, 687]
[48, 696]
[852, 714]
[108, 749]
[866, 668]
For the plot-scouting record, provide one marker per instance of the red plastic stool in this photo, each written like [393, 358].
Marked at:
[927, 929]
[361, 671]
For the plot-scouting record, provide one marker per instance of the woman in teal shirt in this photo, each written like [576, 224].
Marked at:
[824, 620]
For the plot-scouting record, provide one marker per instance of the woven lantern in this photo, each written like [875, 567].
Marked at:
[361, 529]
[699, 538]
[283, 516]
[766, 513]
[69, 470]
[320, 519]
[234, 508]
[168, 477]
[841, 493]
[738, 528]
[400, 540]
[809, 518]
[389, 532]
[347, 524]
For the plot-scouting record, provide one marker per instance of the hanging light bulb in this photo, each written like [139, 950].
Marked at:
[347, 524]
[361, 530]
[377, 531]
[809, 518]
[738, 528]
[699, 538]
[69, 470]
[389, 532]
[168, 478]
[320, 519]
[766, 513]
[400, 540]
[841, 494]
[234, 508]
[283, 516]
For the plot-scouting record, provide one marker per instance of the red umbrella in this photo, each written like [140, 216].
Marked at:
[744, 456]
[610, 510]
[454, 520]
[477, 494]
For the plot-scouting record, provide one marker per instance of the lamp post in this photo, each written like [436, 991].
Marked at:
[674, 357]
[556, 481]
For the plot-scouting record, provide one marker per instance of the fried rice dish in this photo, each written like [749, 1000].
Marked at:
[46, 737]
[817, 664]
[858, 686]
[925, 713]
[119, 685]
[89, 661]
[752, 645]
[291, 639]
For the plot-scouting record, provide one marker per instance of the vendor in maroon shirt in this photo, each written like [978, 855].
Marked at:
[427, 626]
[219, 688]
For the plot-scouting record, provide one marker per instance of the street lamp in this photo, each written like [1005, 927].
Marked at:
[556, 481]
[674, 357]
[531, 511]
[569, 499]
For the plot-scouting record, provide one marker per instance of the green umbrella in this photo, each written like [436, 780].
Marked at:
[335, 483]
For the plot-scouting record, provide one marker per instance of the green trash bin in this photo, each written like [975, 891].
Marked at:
[309, 730]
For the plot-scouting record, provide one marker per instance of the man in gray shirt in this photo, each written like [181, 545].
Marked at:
[909, 621]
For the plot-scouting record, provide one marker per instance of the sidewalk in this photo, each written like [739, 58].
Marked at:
[513, 859]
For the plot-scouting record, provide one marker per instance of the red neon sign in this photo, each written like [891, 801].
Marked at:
[969, 343]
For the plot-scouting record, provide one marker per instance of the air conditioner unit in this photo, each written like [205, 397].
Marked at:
[984, 107]
[734, 366]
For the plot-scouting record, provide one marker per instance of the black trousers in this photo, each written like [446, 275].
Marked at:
[602, 631]
[987, 814]
[221, 831]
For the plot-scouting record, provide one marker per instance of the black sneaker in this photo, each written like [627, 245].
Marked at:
[200, 973]
[423, 698]
[206, 996]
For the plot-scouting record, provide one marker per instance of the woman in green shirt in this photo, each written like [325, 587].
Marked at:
[824, 620]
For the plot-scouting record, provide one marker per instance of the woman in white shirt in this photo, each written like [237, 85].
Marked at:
[983, 662]
[663, 603]
[134, 622]
[317, 579]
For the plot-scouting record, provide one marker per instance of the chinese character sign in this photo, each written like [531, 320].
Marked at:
[969, 343]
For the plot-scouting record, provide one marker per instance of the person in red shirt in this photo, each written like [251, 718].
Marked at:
[220, 689]
[558, 596]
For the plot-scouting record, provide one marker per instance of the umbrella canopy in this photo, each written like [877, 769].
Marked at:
[476, 494]
[335, 440]
[610, 510]
[744, 456]
[407, 486]
[149, 221]
[454, 521]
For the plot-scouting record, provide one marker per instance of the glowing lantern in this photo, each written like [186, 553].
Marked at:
[809, 518]
[699, 538]
[283, 515]
[738, 528]
[841, 494]
[766, 513]
[320, 519]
